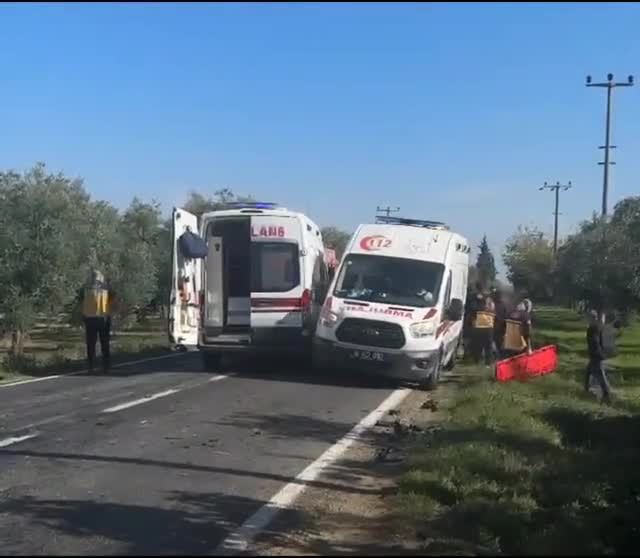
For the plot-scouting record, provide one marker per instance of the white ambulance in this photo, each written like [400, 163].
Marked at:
[259, 286]
[395, 305]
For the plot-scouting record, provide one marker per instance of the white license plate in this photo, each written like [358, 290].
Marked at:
[372, 356]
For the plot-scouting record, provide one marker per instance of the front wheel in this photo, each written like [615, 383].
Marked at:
[431, 382]
[451, 363]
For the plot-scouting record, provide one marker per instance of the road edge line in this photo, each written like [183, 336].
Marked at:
[78, 372]
[240, 539]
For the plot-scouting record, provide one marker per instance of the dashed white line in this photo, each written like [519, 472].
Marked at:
[239, 540]
[140, 401]
[122, 364]
[14, 440]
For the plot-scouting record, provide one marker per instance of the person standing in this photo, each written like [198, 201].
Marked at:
[517, 332]
[500, 324]
[598, 353]
[483, 325]
[471, 307]
[97, 301]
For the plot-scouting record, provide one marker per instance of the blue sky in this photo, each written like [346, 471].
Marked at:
[455, 112]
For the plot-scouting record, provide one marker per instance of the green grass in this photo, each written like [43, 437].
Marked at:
[535, 467]
[55, 347]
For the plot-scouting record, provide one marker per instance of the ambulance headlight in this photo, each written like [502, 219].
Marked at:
[328, 318]
[422, 329]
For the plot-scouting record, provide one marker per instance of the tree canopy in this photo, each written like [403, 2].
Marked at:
[485, 264]
[52, 234]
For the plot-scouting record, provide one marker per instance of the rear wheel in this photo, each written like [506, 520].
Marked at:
[211, 361]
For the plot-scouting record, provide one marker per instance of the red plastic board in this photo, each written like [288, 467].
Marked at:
[538, 363]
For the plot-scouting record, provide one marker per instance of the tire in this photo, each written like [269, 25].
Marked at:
[451, 364]
[431, 382]
[211, 361]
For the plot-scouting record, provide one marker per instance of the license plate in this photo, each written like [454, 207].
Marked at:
[371, 356]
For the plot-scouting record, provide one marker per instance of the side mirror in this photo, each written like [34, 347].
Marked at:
[455, 311]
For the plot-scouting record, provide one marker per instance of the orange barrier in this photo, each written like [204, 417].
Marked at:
[522, 367]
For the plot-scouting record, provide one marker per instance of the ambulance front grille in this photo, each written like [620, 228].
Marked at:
[371, 333]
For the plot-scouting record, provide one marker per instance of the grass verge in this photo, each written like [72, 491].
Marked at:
[55, 348]
[536, 467]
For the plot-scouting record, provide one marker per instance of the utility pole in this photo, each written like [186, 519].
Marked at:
[556, 187]
[388, 210]
[609, 84]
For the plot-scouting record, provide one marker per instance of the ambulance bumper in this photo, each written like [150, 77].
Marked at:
[263, 340]
[412, 366]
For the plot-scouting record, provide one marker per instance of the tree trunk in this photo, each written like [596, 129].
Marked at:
[17, 342]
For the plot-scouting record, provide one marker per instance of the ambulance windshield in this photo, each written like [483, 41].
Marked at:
[389, 280]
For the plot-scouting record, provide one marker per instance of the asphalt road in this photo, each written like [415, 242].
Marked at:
[162, 457]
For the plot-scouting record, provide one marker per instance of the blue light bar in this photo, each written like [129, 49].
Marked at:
[251, 205]
[388, 220]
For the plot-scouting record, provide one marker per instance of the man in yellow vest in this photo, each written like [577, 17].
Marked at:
[482, 329]
[97, 301]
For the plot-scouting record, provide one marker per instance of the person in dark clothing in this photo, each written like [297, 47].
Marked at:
[97, 305]
[597, 356]
[471, 308]
[500, 324]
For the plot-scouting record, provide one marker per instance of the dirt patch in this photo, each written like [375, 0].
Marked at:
[355, 514]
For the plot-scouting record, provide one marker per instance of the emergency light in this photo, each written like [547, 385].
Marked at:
[251, 205]
[388, 220]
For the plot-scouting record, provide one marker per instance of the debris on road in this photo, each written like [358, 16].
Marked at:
[430, 404]
[390, 455]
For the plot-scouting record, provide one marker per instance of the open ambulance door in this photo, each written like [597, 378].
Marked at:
[186, 278]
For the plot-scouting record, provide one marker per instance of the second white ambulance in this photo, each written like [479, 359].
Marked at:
[396, 303]
[257, 284]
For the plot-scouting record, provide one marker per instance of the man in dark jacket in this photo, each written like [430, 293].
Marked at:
[500, 324]
[597, 355]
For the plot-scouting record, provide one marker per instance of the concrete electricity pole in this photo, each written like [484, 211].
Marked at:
[388, 210]
[609, 84]
[556, 187]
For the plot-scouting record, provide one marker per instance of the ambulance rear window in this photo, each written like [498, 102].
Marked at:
[275, 267]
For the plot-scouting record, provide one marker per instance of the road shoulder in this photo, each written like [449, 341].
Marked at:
[356, 515]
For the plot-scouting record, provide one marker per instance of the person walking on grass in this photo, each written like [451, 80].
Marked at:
[97, 302]
[601, 346]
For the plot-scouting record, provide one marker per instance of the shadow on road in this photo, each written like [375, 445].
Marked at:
[271, 368]
[191, 467]
[188, 523]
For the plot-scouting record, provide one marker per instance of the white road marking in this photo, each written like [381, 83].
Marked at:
[140, 401]
[20, 382]
[239, 540]
[122, 364]
[14, 440]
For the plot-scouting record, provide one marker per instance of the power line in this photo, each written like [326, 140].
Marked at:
[556, 187]
[609, 84]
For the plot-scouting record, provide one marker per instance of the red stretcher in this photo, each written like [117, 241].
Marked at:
[522, 367]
